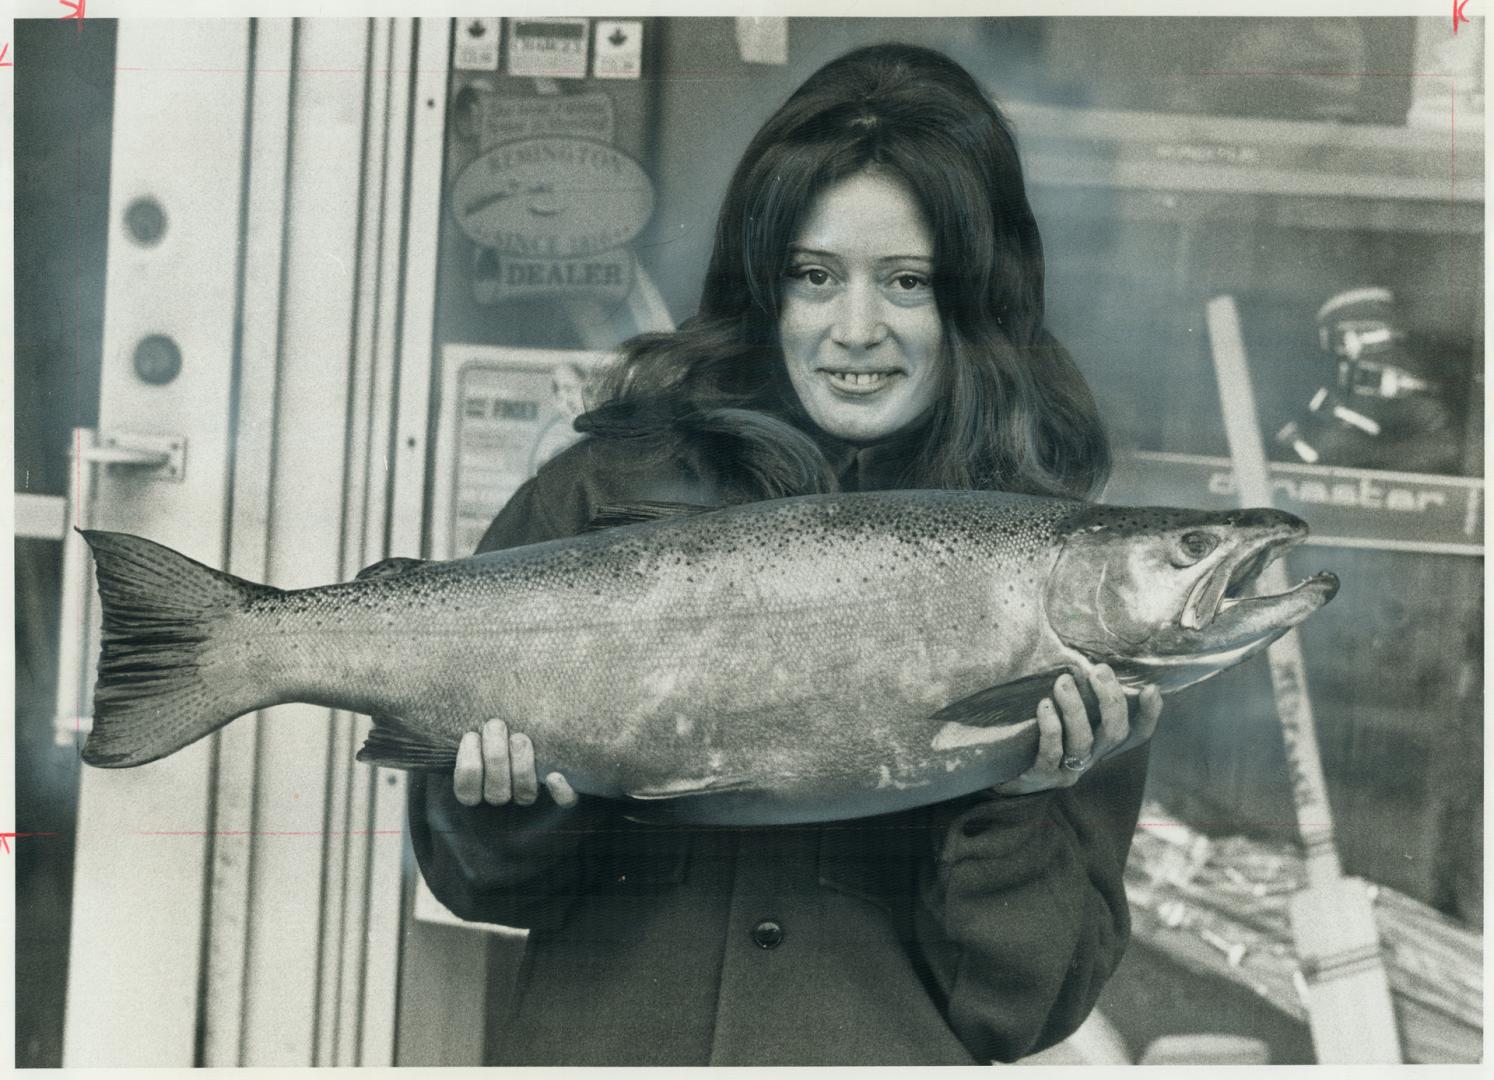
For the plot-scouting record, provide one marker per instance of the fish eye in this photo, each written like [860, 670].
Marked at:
[1194, 546]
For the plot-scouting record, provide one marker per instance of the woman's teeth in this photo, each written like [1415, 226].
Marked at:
[859, 380]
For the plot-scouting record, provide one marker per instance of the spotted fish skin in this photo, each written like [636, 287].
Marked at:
[791, 660]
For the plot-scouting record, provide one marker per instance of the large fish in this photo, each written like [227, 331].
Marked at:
[802, 659]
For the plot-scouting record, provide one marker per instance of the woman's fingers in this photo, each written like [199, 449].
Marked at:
[1045, 772]
[1148, 710]
[526, 784]
[497, 780]
[1115, 721]
[496, 766]
[1070, 739]
[1050, 739]
[560, 790]
[466, 781]
[1078, 735]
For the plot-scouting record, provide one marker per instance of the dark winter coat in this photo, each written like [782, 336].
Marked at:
[976, 930]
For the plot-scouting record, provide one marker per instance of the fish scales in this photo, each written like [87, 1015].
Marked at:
[574, 635]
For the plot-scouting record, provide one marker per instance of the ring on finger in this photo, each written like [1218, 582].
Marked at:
[1075, 763]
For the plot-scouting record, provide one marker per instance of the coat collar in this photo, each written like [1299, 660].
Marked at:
[870, 467]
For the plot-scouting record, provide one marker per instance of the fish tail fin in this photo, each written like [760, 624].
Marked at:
[164, 680]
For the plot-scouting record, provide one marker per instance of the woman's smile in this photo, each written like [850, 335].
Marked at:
[860, 383]
[861, 334]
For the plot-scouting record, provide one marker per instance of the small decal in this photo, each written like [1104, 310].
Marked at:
[619, 49]
[477, 45]
[548, 48]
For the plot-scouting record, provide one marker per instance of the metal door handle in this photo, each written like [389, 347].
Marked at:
[118, 455]
[137, 451]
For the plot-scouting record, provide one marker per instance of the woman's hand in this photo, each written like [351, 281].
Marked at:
[1068, 742]
[496, 766]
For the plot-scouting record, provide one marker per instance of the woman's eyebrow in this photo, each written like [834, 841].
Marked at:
[813, 251]
[818, 253]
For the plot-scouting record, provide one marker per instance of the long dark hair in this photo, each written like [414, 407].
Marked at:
[1014, 413]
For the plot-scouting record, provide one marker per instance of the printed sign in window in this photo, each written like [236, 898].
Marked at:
[506, 413]
[499, 120]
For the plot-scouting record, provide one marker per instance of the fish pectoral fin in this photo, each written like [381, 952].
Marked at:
[1009, 703]
[397, 745]
[387, 567]
[691, 785]
[610, 515]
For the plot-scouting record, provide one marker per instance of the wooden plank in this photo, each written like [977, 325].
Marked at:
[1333, 924]
[39, 517]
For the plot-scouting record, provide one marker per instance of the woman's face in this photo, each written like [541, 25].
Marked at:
[861, 335]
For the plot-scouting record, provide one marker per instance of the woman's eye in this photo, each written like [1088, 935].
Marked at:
[812, 274]
[909, 282]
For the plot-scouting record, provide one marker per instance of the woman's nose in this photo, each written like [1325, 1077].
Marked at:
[859, 322]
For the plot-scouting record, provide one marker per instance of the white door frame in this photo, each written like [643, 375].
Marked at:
[240, 902]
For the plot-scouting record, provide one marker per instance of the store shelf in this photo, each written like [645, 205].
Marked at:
[1173, 152]
[1316, 212]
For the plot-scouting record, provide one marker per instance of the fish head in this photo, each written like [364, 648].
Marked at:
[1162, 595]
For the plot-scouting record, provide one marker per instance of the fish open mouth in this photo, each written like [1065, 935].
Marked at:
[1219, 615]
[1231, 625]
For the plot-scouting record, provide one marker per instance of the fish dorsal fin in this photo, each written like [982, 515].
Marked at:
[388, 567]
[690, 785]
[397, 745]
[612, 514]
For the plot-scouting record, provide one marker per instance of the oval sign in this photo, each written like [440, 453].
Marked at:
[554, 197]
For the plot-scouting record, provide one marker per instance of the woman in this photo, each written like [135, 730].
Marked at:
[871, 318]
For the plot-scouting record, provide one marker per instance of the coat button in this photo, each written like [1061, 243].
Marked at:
[767, 934]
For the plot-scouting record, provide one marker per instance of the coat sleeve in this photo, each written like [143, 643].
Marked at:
[513, 865]
[1024, 915]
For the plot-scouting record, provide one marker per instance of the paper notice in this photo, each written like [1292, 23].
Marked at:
[762, 40]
